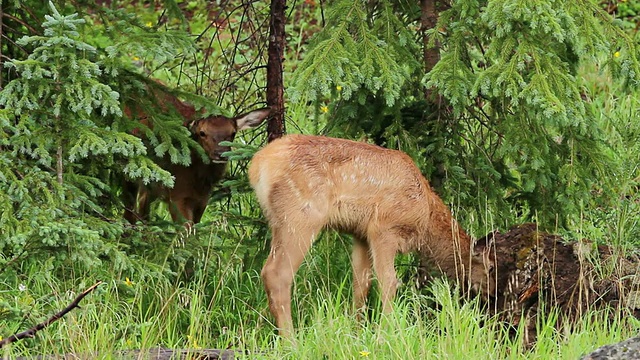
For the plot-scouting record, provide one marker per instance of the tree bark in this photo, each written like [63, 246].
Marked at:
[430, 12]
[428, 19]
[275, 84]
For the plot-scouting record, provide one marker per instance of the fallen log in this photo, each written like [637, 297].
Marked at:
[534, 268]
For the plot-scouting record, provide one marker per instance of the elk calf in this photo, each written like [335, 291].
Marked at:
[193, 184]
[307, 183]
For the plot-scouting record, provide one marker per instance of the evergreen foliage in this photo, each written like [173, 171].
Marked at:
[364, 50]
[66, 143]
[521, 59]
[515, 135]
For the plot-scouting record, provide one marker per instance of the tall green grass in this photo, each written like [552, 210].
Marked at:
[219, 304]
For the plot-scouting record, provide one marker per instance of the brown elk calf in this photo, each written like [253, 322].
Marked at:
[193, 184]
[307, 183]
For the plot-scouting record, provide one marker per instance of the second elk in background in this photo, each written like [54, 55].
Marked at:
[189, 196]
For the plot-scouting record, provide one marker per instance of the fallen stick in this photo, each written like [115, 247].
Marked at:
[32, 332]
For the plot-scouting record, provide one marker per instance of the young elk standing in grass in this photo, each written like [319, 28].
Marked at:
[193, 184]
[306, 183]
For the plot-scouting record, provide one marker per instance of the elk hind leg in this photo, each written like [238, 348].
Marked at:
[129, 199]
[383, 252]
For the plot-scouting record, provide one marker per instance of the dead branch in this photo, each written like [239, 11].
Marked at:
[32, 332]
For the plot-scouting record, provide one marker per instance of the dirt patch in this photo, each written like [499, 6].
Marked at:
[534, 267]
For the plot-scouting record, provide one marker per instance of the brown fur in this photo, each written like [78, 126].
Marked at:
[307, 183]
[194, 183]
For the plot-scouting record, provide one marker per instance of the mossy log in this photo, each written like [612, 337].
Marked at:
[538, 273]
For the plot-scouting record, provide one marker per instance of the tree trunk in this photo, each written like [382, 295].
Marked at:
[535, 268]
[275, 84]
[428, 19]
[430, 11]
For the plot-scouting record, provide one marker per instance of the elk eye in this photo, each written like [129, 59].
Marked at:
[202, 134]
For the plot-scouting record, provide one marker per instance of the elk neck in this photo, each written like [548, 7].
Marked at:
[446, 244]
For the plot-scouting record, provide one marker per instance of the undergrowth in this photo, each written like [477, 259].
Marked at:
[209, 303]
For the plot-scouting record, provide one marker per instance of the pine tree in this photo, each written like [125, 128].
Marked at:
[515, 132]
[61, 146]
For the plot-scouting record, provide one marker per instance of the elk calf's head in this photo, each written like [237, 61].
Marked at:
[307, 183]
[212, 130]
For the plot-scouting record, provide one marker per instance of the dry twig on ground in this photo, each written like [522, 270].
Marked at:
[32, 332]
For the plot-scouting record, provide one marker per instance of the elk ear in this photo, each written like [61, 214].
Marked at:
[485, 242]
[191, 125]
[252, 119]
[489, 260]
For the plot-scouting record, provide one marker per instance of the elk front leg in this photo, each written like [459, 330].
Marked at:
[130, 200]
[144, 203]
[199, 209]
[361, 263]
[181, 210]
